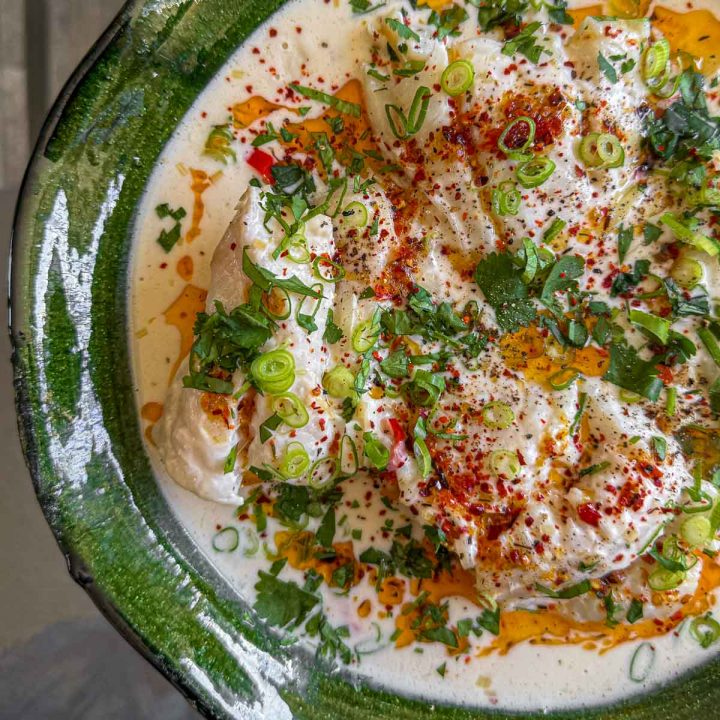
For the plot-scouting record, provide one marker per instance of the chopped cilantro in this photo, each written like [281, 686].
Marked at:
[281, 603]
[501, 283]
[607, 69]
[628, 371]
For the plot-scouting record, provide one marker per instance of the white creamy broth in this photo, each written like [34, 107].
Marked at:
[324, 52]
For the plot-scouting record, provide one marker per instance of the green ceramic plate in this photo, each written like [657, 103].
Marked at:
[77, 411]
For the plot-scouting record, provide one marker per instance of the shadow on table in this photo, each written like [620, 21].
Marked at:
[83, 670]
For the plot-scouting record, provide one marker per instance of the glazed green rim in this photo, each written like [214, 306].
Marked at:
[77, 415]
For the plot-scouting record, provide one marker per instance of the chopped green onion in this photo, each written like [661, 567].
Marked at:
[348, 461]
[291, 410]
[340, 105]
[287, 305]
[706, 630]
[556, 227]
[506, 199]
[564, 378]
[655, 59]
[658, 327]
[377, 453]
[663, 580]
[582, 403]
[422, 455]
[642, 662]
[498, 415]
[339, 382]
[425, 388]
[297, 249]
[231, 460]
[323, 473]
[686, 272]
[274, 371]
[365, 335]
[532, 261]
[594, 469]
[252, 541]
[711, 344]
[671, 401]
[226, 540]
[505, 464]
[696, 530]
[535, 172]
[337, 271]
[404, 126]
[687, 235]
[355, 215]
[610, 151]
[515, 151]
[601, 150]
[457, 77]
[295, 462]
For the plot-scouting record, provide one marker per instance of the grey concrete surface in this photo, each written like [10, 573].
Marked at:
[59, 658]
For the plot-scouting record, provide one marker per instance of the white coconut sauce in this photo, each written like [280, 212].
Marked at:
[316, 35]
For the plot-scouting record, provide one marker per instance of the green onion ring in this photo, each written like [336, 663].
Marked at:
[563, 379]
[457, 77]
[323, 473]
[355, 215]
[274, 371]
[706, 630]
[337, 269]
[291, 410]
[295, 462]
[498, 415]
[226, 540]
[522, 120]
[535, 172]
[504, 463]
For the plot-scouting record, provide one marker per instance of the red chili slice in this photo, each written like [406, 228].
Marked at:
[262, 163]
[589, 513]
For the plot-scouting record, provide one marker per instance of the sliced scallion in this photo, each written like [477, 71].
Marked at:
[226, 540]
[656, 326]
[498, 415]
[291, 410]
[655, 58]
[355, 215]
[343, 106]
[505, 464]
[686, 272]
[522, 142]
[642, 662]
[706, 630]
[696, 530]
[328, 270]
[535, 172]
[563, 379]
[422, 455]
[339, 382]
[295, 462]
[457, 77]
[274, 371]
[688, 235]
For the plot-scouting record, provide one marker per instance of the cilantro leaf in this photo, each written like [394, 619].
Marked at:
[332, 332]
[562, 277]
[607, 69]
[524, 43]
[281, 603]
[628, 371]
[402, 30]
[395, 365]
[501, 283]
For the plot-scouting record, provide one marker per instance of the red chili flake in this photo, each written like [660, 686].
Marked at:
[273, 32]
[589, 513]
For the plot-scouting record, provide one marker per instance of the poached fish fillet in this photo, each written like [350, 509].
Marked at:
[501, 310]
